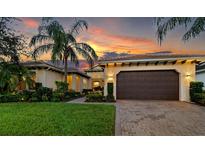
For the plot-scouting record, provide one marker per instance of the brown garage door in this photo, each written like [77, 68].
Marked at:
[148, 85]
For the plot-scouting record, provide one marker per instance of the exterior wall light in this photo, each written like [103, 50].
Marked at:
[110, 78]
[188, 75]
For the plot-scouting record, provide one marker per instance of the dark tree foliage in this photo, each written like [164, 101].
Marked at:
[195, 26]
[11, 44]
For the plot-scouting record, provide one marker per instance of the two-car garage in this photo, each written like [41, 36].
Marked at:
[148, 85]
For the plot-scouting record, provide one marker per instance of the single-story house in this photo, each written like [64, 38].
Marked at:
[147, 77]
[47, 73]
[200, 72]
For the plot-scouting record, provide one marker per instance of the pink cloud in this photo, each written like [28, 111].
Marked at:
[30, 23]
[103, 40]
[116, 38]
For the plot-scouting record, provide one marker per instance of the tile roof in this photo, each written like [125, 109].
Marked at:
[96, 68]
[151, 56]
[54, 66]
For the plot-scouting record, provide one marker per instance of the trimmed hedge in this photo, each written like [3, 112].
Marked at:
[196, 92]
[110, 98]
[199, 98]
[42, 94]
[95, 97]
[9, 98]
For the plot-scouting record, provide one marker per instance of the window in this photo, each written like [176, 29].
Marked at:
[96, 84]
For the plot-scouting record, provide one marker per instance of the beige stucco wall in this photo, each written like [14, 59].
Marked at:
[184, 69]
[77, 82]
[48, 77]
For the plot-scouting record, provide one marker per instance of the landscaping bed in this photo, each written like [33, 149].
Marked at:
[56, 119]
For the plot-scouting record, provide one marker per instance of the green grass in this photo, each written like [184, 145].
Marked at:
[36, 119]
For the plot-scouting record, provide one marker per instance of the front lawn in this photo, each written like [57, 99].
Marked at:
[56, 119]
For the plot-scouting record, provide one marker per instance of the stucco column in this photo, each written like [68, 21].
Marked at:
[105, 87]
[81, 84]
[73, 82]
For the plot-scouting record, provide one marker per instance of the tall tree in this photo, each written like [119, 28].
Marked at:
[195, 26]
[62, 43]
[12, 45]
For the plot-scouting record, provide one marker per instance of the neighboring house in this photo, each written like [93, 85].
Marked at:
[47, 73]
[148, 77]
[97, 76]
[200, 72]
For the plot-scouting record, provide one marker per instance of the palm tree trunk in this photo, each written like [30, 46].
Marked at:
[65, 68]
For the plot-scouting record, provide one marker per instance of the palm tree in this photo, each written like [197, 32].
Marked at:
[62, 44]
[194, 25]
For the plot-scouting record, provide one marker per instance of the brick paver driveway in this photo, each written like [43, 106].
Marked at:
[159, 118]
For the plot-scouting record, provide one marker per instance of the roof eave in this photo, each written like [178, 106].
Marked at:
[155, 59]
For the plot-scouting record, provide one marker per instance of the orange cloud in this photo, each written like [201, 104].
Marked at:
[30, 23]
[103, 40]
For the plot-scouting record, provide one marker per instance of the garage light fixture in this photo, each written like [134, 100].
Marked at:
[188, 75]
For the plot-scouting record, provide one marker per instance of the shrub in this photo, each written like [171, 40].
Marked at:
[26, 95]
[9, 98]
[38, 85]
[195, 87]
[34, 97]
[44, 94]
[95, 97]
[71, 94]
[199, 98]
[110, 98]
[57, 97]
[61, 86]
[87, 91]
[110, 89]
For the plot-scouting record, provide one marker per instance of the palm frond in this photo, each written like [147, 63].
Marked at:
[158, 20]
[73, 56]
[42, 49]
[78, 26]
[170, 24]
[196, 29]
[38, 39]
[89, 49]
[54, 28]
[70, 38]
[44, 23]
[86, 55]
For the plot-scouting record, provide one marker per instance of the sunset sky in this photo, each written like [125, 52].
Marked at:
[121, 36]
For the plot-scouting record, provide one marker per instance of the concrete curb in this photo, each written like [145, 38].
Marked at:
[118, 131]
